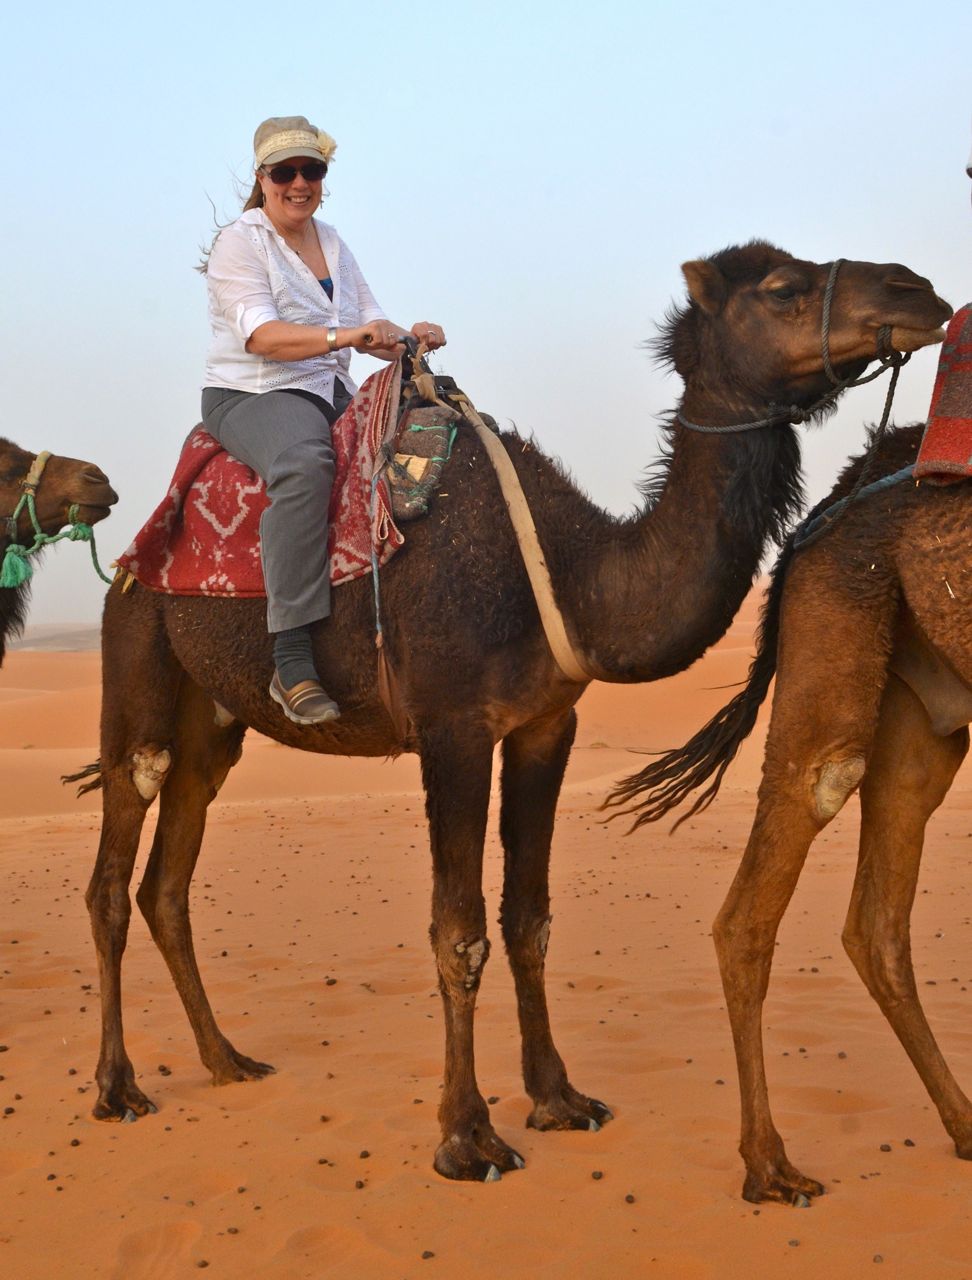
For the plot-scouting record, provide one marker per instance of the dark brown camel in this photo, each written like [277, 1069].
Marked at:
[869, 633]
[643, 597]
[65, 482]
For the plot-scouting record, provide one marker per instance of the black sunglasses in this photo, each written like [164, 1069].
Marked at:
[281, 174]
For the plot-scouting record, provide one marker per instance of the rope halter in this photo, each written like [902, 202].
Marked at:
[888, 357]
[17, 568]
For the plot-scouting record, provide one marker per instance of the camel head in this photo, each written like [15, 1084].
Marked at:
[751, 333]
[65, 482]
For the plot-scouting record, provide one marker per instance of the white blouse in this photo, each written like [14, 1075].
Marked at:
[253, 276]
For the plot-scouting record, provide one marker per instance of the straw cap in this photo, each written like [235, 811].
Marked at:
[283, 137]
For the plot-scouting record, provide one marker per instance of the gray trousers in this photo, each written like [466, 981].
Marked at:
[285, 436]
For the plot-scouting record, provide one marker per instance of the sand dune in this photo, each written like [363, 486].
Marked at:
[311, 907]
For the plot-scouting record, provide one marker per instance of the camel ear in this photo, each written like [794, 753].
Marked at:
[706, 285]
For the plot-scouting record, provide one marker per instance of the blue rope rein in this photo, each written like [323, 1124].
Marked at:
[818, 522]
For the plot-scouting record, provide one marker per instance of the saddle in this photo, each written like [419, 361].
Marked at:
[390, 445]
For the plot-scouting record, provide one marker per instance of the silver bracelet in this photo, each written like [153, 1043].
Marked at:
[331, 340]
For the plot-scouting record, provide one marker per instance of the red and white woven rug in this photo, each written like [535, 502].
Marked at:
[204, 537]
[946, 447]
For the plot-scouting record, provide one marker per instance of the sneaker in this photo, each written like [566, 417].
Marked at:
[305, 703]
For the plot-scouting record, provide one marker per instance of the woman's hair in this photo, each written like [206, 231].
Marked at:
[254, 200]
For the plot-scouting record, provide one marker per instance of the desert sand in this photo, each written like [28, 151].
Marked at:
[311, 906]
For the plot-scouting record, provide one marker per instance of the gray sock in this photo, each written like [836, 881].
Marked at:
[293, 656]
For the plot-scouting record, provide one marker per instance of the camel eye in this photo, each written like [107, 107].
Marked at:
[784, 292]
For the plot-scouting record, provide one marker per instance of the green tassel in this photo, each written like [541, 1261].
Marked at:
[17, 569]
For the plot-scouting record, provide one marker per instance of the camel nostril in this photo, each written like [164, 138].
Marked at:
[94, 475]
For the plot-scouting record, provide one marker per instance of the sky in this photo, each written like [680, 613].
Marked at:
[529, 175]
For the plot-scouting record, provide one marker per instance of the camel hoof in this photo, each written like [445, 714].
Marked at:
[122, 1104]
[479, 1157]
[569, 1110]
[233, 1067]
[785, 1185]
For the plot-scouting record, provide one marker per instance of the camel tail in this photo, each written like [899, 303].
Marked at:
[663, 785]
[92, 771]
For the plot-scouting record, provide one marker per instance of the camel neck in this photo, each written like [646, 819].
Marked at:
[726, 413]
[665, 585]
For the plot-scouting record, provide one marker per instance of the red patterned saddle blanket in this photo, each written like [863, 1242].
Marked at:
[946, 448]
[203, 539]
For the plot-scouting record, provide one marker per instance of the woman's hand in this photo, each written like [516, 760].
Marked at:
[379, 338]
[433, 335]
[383, 338]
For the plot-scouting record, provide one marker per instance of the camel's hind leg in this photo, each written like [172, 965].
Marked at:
[119, 1098]
[534, 759]
[456, 766]
[141, 682]
[908, 775]
[205, 751]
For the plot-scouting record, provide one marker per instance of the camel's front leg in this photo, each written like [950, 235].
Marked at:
[745, 934]
[456, 768]
[832, 672]
[534, 759]
[908, 775]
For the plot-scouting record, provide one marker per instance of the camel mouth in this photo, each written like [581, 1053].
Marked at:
[92, 512]
[907, 339]
[904, 338]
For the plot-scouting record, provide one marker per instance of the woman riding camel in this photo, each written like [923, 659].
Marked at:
[287, 304]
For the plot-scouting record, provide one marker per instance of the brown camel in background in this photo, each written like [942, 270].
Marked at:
[643, 598]
[65, 482]
[869, 632]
